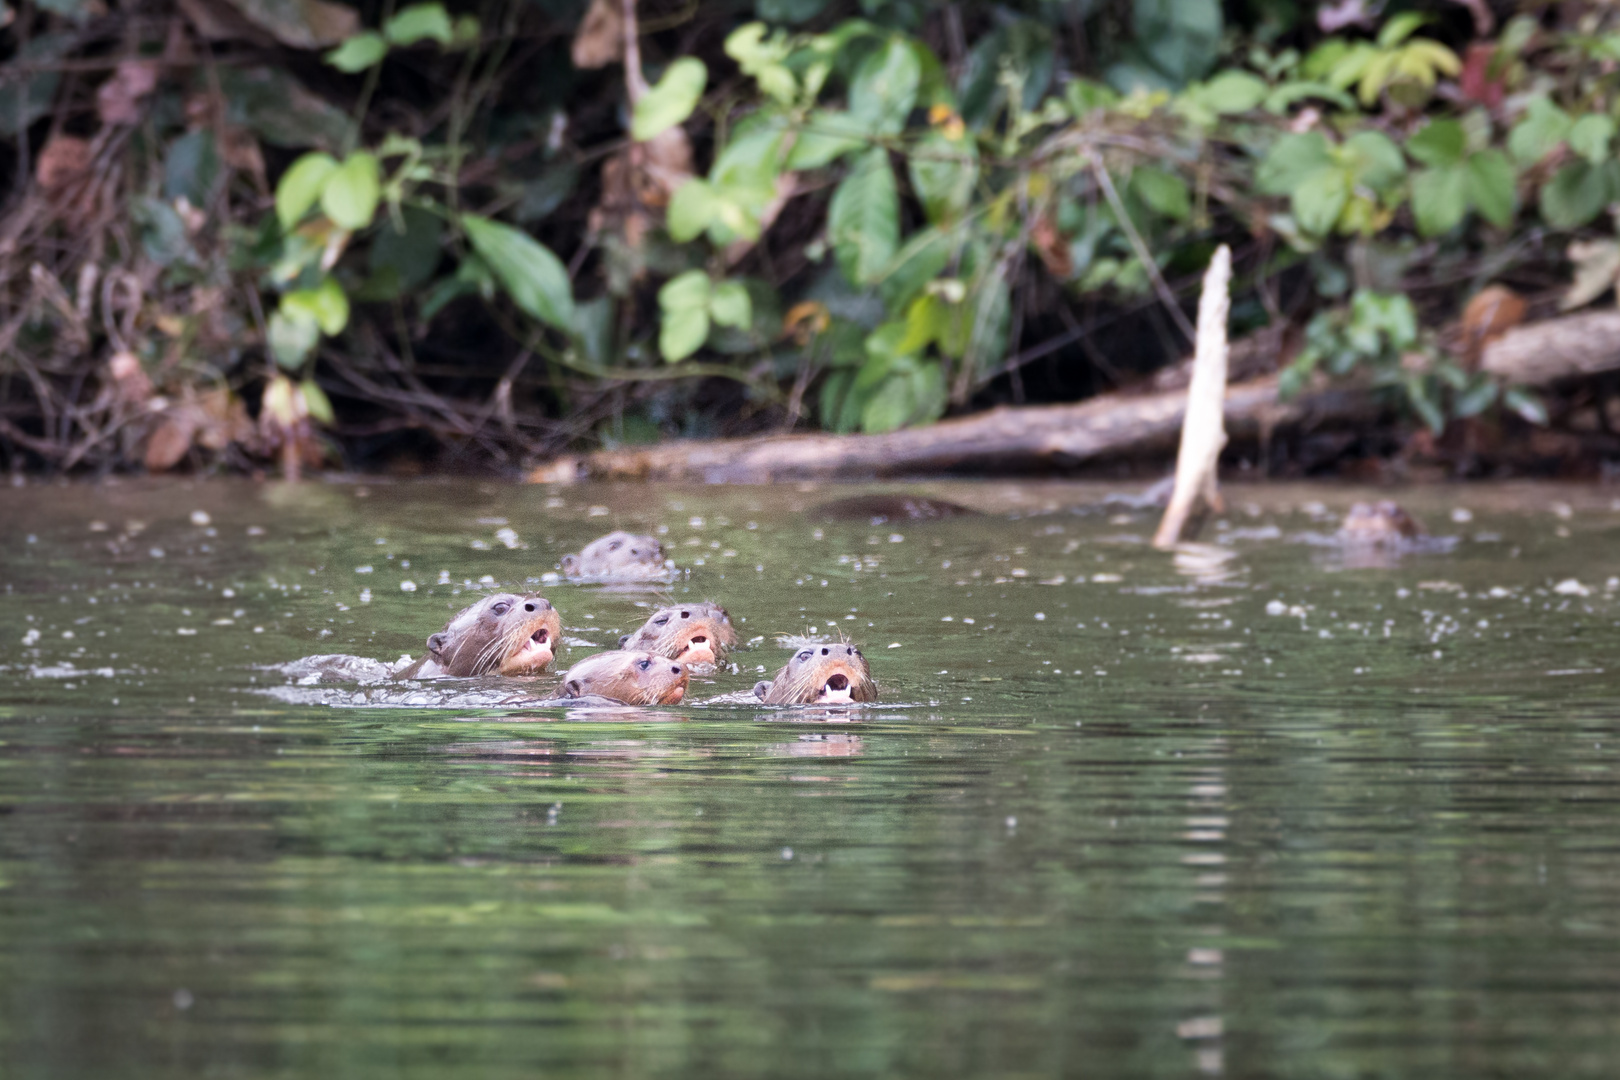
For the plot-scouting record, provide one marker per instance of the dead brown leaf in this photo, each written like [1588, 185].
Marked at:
[170, 443]
[1052, 247]
[63, 162]
[1492, 312]
[600, 40]
[119, 99]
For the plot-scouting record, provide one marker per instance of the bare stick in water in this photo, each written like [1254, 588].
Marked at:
[1203, 431]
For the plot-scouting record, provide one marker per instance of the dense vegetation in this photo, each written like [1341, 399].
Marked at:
[484, 231]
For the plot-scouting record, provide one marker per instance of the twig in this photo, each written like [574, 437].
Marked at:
[1166, 297]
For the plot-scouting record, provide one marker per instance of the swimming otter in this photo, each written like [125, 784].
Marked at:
[691, 633]
[618, 556]
[828, 674]
[502, 634]
[628, 676]
[1380, 524]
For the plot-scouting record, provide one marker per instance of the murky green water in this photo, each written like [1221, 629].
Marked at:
[1248, 811]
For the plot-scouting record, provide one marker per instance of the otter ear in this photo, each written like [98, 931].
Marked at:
[573, 688]
[622, 639]
[437, 642]
[570, 564]
[761, 688]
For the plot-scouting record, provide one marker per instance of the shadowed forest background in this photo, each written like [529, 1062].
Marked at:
[474, 236]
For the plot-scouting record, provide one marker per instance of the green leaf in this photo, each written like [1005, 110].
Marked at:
[1440, 198]
[1181, 38]
[1319, 200]
[730, 306]
[827, 135]
[684, 303]
[1544, 126]
[359, 52]
[1288, 94]
[943, 174]
[191, 168]
[692, 209]
[1399, 28]
[1229, 92]
[1291, 160]
[316, 403]
[1374, 160]
[535, 279]
[1575, 195]
[1590, 135]
[1439, 143]
[278, 109]
[412, 253]
[292, 338]
[349, 196]
[917, 263]
[25, 99]
[1476, 399]
[418, 23]
[671, 101]
[1526, 404]
[300, 187]
[863, 221]
[1165, 193]
[834, 393]
[326, 306]
[884, 88]
[1491, 187]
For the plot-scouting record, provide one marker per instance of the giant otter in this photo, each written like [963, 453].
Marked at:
[1380, 524]
[628, 676]
[691, 633]
[502, 634]
[832, 673]
[618, 556]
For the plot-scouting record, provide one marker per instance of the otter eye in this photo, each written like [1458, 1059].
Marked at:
[616, 545]
[660, 620]
[807, 654]
[501, 608]
[644, 665]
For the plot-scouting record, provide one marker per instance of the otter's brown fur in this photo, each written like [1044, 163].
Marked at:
[691, 633]
[826, 674]
[618, 556]
[1381, 523]
[502, 634]
[633, 677]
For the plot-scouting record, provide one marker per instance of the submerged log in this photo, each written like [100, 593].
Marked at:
[1055, 437]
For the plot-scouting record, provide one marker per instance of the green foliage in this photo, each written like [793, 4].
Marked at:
[671, 100]
[535, 279]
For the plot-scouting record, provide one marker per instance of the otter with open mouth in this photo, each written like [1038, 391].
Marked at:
[695, 634]
[503, 634]
[618, 556]
[625, 676]
[833, 673]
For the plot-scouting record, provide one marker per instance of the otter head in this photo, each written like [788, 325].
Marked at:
[691, 633]
[1383, 522]
[631, 676]
[617, 556]
[504, 633]
[833, 673]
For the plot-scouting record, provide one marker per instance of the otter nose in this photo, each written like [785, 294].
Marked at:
[528, 607]
[838, 682]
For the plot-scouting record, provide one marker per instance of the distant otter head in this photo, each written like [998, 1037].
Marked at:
[691, 633]
[1382, 522]
[504, 633]
[633, 677]
[832, 673]
[619, 556]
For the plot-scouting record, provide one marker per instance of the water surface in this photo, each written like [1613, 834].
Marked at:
[1254, 809]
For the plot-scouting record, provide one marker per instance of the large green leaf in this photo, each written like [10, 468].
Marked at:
[1181, 38]
[1590, 135]
[943, 174]
[684, 305]
[412, 254]
[292, 336]
[300, 187]
[729, 305]
[326, 305]
[359, 52]
[1319, 200]
[1022, 49]
[1575, 195]
[863, 221]
[536, 279]
[1374, 160]
[671, 101]
[25, 99]
[692, 209]
[276, 107]
[884, 88]
[1163, 192]
[826, 136]
[349, 196]
[1440, 198]
[1291, 160]
[1542, 128]
[1491, 187]
[1439, 143]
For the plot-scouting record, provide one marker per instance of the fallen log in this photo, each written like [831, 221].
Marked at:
[1056, 437]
